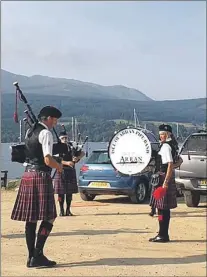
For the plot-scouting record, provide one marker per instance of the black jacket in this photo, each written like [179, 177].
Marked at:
[34, 153]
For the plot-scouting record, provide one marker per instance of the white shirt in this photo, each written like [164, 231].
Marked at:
[46, 139]
[166, 153]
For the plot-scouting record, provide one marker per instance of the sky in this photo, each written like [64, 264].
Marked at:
[156, 47]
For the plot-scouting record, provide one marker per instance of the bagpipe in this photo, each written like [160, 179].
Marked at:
[76, 147]
[18, 151]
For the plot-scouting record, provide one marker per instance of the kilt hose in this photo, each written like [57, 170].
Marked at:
[65, 182]
[35, 199]
[169, 201]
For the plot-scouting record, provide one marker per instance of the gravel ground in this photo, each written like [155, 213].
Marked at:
[109, 237]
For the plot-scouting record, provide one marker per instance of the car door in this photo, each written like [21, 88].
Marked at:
[194, 157]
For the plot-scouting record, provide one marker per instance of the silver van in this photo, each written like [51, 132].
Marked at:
[191, 177]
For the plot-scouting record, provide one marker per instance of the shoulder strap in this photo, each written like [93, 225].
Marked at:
[174, 150]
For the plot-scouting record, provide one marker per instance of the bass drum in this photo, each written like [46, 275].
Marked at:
[133, 151]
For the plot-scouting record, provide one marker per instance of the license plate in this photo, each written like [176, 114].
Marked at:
[99, 185]
[203, 182]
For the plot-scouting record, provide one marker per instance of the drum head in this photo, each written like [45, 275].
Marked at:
[130, 151]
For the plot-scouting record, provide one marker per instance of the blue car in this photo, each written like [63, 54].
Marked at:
[98, 177]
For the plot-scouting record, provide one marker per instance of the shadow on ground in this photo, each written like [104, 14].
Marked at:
[84, 232]
[126, 200]
[137, 261]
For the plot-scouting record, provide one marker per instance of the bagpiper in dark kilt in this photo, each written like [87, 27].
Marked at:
[169, 200]
[35, 198]
[65, 183]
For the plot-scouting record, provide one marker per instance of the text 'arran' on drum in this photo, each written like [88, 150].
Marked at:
[133, 151]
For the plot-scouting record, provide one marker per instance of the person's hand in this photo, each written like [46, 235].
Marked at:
[75, 159]
[60, 168]
[165, 185]
[71, 164]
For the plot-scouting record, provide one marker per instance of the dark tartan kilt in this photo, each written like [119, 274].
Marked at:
[35, 199]
[169, 201]
[65, 182]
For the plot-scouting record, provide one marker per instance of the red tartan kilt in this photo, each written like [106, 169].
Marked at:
[65, 182]
[169, 201]
[35, 199]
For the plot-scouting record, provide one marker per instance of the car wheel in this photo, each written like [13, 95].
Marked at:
[179, 193]
[192, 198]
[140, 193]
[87, 197]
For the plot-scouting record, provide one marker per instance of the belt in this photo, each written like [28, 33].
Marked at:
[36, 168]
[161, 173]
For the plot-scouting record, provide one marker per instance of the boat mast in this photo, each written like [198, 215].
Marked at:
[20, 131]
[136, 119]
[177, 130]
[76, 130]
[72, 130]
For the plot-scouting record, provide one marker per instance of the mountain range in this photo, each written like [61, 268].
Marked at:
[100, 110]
[44, 85]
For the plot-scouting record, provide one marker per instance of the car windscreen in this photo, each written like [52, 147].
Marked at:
[196, 145]
[99, 157]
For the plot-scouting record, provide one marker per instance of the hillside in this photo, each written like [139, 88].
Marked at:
[68, 87]
[99, 118]
[193, 110]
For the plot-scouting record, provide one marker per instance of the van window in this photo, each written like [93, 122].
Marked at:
[196, 145]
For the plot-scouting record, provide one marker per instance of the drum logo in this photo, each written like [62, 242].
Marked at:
[130, 151]
[130, 160]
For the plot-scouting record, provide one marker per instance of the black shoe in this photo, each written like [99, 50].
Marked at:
[68, 213]
[62, 213]
[151, 213]
[158, 238]
[28, 262]
[41, 260]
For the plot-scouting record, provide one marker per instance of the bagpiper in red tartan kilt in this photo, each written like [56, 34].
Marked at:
[164, 205]
[164, 162]
[35, 199]
[169, 201]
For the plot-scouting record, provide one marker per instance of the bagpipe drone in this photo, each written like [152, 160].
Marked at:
[18, 151]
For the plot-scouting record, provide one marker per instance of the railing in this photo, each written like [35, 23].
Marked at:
[4, 178]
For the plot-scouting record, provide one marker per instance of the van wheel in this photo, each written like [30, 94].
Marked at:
[87, 197]
[140, 193]
[192, 198]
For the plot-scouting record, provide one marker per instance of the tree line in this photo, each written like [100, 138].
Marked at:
[98, 119]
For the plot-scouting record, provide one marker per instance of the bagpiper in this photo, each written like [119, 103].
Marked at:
[65, 182]
[165, 178]
[35, 199]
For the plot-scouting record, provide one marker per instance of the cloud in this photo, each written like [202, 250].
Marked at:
[158, 48]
